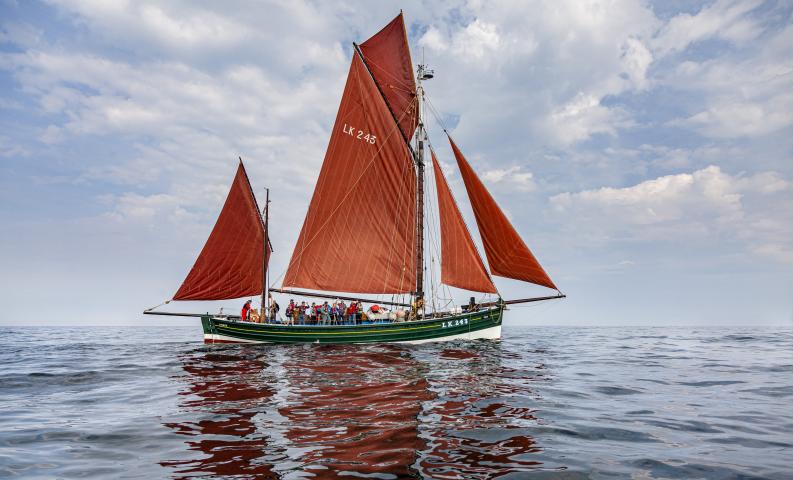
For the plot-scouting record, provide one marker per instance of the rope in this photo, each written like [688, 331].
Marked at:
[158, 306]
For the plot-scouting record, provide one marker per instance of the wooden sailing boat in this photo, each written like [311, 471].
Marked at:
[364, 230]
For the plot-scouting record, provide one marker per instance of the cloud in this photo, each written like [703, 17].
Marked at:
[512, 176]
[471, 43]
[722, 19]
[546, 67]
[705, 203]
[584, 116]
[747, 95]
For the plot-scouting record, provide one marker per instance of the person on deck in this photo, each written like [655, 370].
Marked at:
[352, 312]
[245, 311]
[302, 315]
[290, 312]
[325, 314]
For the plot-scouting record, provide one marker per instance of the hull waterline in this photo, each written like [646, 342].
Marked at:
[484, 324]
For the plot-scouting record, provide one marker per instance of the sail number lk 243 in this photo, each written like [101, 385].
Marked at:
[359, 134]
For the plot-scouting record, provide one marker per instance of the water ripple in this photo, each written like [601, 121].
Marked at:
[543, 403]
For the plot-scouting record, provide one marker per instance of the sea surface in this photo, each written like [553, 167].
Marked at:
[549, 402]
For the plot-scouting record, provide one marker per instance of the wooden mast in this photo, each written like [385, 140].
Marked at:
[423, 73]
[419, 155]
[265, 263]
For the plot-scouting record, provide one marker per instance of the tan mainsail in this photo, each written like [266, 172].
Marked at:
[461, 265]
[230, 264]
[358, 235]
[506, 253]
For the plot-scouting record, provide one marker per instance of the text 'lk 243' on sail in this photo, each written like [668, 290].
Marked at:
[379, 138]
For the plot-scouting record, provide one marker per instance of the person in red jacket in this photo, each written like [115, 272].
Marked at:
[245, 311]
[352, 312]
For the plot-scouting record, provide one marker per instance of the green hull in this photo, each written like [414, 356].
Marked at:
[480, 324]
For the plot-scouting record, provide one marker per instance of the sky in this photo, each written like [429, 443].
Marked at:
[643, 150]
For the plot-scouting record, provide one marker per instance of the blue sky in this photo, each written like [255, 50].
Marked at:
[643, 150]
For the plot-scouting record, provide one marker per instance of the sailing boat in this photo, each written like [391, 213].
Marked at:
[364, 230]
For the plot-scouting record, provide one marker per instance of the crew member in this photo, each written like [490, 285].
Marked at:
[245, 311]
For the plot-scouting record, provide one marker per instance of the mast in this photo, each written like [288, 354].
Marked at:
[266, 245]
[422, 74]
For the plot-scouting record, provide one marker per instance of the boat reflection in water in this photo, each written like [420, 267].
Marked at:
[328, 411]
[224, 391]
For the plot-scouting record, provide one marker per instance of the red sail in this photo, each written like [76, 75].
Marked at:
[388, 57]
[506, 253]
[230, 264]
[461, 265]
[358, 234]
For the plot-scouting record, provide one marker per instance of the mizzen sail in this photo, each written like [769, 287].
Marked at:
[461, 265]
[358, 234]
[387, 55]
[507, 254]
[230, 265]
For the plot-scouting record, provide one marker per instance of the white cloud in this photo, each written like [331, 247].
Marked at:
[722, 19]
[513, 176]
[545, 68]
[728, 118]
[471, 43]
[701, 204]
[582, 117]
[743, 96]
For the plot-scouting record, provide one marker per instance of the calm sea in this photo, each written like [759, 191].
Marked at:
[545, 402]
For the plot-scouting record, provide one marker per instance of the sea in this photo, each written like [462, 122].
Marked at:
[545, 402]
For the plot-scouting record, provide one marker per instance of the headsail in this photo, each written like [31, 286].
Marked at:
[388, 57]
[507, 255]
[358, 234]
[461, 265]
[230, 264]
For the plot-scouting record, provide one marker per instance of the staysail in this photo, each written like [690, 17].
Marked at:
[461, 265]
[358, 234]
[230, 265]
[507, 254]
[387, 55]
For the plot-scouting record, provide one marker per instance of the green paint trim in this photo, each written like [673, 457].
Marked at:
[363, 332]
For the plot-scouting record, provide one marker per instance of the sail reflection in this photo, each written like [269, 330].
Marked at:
[382, 411]
[224, 390]
[355, 410]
